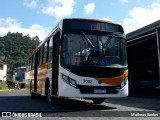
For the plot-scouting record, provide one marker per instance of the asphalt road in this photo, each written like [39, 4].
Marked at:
[141, 106]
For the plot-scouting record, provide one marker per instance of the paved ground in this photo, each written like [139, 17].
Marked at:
[134, 105]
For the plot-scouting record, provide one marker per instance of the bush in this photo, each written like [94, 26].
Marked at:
[11, 84]
[3, 86]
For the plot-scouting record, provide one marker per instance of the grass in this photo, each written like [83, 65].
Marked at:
[12, 85]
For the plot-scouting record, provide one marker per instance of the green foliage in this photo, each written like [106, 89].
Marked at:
[16, 47]
[3, 86]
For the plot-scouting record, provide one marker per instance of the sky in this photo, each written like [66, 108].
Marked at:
[39, 17]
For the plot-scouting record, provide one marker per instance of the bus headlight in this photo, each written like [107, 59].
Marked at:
[124, 82]
[70, 81]
[65, 78]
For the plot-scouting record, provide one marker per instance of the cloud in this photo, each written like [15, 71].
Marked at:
[124, 1]
[56, 8]
[9, 22]
[139, 17]
[89, 8]
[59, 8]
[107, 19]
[31, 3]
[14, 25]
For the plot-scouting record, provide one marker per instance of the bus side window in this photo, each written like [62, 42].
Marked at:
[32, 62]
[38, 58]
[45, 53]
[50, 52]
[41, 55]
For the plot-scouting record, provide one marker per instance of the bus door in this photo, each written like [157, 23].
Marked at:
[55, 63]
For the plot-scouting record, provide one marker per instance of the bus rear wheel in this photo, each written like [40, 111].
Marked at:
[97, 100]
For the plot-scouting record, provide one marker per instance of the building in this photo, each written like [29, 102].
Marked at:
[144, 56]
[3, 71]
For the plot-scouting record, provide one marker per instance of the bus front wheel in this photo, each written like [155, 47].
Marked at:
[49, 97]
[52, 99]
[97, 100]
[48, 91]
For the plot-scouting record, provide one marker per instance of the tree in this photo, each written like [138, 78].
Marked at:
[16, 47]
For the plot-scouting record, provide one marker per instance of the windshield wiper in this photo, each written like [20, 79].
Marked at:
[107, 41]
[88, 41]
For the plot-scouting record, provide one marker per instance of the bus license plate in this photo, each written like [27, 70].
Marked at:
[100, 90]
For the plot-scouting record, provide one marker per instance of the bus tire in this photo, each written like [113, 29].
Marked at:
[52, 99]
[49, 97]
[97, 100]
[48, 91]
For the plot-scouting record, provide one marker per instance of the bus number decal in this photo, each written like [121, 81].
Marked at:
[87, 81]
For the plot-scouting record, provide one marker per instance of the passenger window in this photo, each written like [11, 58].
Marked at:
[32, 62]
[50, 49]
[41, 55]
[45, 53]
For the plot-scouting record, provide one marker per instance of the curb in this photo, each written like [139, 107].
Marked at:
[6, 89]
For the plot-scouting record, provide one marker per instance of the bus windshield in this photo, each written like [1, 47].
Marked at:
[108, 51]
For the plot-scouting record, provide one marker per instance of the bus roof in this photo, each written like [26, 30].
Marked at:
[93, 19]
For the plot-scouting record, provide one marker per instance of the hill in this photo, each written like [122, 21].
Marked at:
[16, 47]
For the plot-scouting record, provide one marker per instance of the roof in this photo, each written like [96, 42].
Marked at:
[144, 30]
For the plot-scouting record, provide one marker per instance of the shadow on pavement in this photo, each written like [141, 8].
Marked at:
[139, 98]
[39, 104]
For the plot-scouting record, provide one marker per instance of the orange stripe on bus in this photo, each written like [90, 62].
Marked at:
[114, 80]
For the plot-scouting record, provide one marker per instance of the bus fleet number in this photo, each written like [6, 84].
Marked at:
[87, 81]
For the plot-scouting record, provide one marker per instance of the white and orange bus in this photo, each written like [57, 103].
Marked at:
[80, 58]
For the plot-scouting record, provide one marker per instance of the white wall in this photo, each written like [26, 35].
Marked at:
[3, 73]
